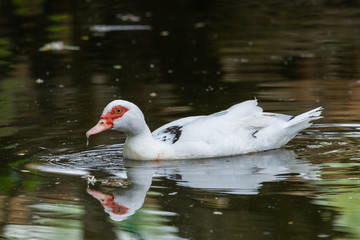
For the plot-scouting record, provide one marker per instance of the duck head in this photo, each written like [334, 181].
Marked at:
[122, 116]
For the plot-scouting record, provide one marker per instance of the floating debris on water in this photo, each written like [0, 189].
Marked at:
[217, 213]
[164, 33]
[200, 25]
[109, 182]
[90, 179]
[113, 182]
[128, 17]
[52, 46]
[110, 28]
[39, 81]
[57, 46]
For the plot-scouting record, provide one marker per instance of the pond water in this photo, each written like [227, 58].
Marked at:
[61, 63]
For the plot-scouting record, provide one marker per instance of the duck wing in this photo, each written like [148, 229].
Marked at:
[246, 117]
[171, 132]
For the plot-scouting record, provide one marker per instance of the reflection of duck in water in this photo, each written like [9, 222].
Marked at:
[243, 128]
[243, 174]
[237, 175]
[123, 202]
[107, 201]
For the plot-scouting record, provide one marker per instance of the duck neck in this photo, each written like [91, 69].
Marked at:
[140, 144]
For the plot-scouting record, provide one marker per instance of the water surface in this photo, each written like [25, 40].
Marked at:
[174, 60]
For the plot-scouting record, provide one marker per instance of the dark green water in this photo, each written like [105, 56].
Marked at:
[177, 59]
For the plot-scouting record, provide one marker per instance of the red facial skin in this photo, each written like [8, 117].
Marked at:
[108, 201]
[107, 120]
[115, 113]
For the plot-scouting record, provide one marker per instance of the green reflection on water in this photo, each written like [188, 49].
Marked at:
[4, 50]
[6, 184]
[27, 8]
[58, 17]
[30, 184]
[342, 192]
[8, 88]
[58, 28]
[13, 231]
[147, 224]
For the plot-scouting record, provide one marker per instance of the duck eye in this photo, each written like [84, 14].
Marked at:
[118, 111]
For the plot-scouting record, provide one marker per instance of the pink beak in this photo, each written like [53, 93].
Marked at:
[101, 126]
[99, 195]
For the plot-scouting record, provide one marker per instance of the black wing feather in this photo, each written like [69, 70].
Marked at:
[170, 134]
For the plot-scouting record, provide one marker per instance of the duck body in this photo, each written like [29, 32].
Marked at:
[241, 129]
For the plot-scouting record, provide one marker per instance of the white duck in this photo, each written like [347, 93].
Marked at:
[243, 128]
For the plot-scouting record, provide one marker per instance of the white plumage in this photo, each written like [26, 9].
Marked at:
[243, 128]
